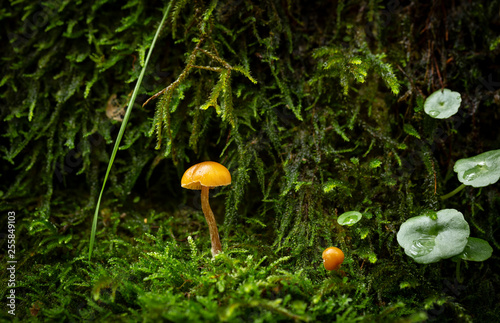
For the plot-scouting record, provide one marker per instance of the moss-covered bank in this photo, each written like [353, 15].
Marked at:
[316, 108]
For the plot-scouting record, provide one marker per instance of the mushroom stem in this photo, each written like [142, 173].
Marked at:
[212, 225]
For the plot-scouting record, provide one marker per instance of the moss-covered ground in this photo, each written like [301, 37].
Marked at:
[315, 107]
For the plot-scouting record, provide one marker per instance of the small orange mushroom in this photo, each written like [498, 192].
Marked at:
[204, 176]
[333, 257]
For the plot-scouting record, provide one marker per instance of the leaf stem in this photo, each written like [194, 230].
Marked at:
[455, 191]
[460, 279]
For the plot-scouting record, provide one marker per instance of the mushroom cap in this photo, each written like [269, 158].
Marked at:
[332, 258]
[209, 173]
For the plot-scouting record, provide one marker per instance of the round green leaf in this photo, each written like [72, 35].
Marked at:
[349, 218]
[442, 104]
[476, 250]
[427, 240]
[481, 170]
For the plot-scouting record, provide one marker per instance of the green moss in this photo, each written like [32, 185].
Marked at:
[315, 109]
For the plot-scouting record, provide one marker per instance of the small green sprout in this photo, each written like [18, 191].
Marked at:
[478, 171]
[349, 218]
[442, 104]
[427, 240]
[375, 163]
[475, 250]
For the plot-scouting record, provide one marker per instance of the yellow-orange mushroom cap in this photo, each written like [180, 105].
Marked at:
[333, 257]
[209, 173]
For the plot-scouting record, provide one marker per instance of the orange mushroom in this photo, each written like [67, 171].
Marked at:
[204, 176]
[333, 257]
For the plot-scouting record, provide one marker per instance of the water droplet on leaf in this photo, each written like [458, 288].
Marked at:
[422, 246]
[475, 172]
[350, 220]
[433, 113]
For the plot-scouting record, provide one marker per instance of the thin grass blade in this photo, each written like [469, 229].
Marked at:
[122, 130]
